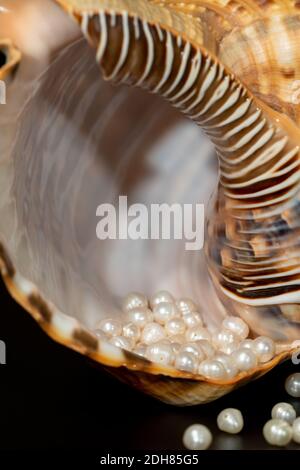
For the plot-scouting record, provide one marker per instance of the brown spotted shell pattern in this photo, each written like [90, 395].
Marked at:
[231, 67]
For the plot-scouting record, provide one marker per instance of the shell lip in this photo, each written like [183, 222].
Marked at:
[68, 331]
[13, 57]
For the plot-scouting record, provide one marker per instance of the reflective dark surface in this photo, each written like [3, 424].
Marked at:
[52, 398]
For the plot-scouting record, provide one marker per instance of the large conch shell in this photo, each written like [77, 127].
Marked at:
[70, 140]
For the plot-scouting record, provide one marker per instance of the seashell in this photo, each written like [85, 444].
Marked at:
[70, 140]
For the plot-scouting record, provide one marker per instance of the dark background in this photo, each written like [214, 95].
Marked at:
[53, 398]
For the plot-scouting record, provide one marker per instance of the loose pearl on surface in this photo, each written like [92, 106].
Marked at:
[164, 311]
[284, 411]
[192, 319]
[187, 362]
[111, 327]
[244, 359]
[277, 432]
[176, 326]
[132, 331]
[197, 437]
[121, 342]
[192, 348]
[264, 348]
[161, 296]
[228, 363]
[161, 353]
[197, 333]
[152, 333]
[185, 306]
[139, 316]
[237, 326]
[296, 430]
[134, 300]
[292, 385]
[230, 420]
[212, 369]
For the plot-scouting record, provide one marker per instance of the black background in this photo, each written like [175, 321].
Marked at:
[53, 398]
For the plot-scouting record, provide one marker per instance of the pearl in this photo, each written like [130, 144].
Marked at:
[101, 335]
[161, 296]
[197, 333]
[230, 420]
[244, 359]
[192, 319]
[296, 430]
[111, 327]
[224, 338]
[228, 363]
[197, 437]
[206, 347]
[264, 348]
[237, 326]
[134, 300]
[177, 339]
[292, 385]
[161, 353]
[132, 331]
[187, 362]
[186, 306]
[176, 326]
[194, 349]
[140, 316]
[164, 311]
[246, 343]
[284, 411]
[277, 432]
[121, 342]
[152, 333]
[212, 369]
[176, 347]
[140, 350]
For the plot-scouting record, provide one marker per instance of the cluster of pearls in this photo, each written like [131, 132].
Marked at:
[283, 427]
[172, 332]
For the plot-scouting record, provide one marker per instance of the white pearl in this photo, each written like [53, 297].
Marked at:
[296, 430]
[139, 316]
[230, 420]
[134, 300]
[212, 369]
[176, 347]
[264, 348]
[207, 348]
[185, 306]
[132, 331]
[284, 411]
[152, 333]
[101, 335]
[237, 326]
[111, 327]
[140, 349]
[197, 437]
[228, 363]
[224, 338]
[161, 353]
[194, 349]
[244, 359]
[292, 385]
[197, 333]
[187, 362]
[277, 432]
[176, 326]
[121, 342]
[193, 319]
[164, 311]
[161, 296]
[247, 343]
